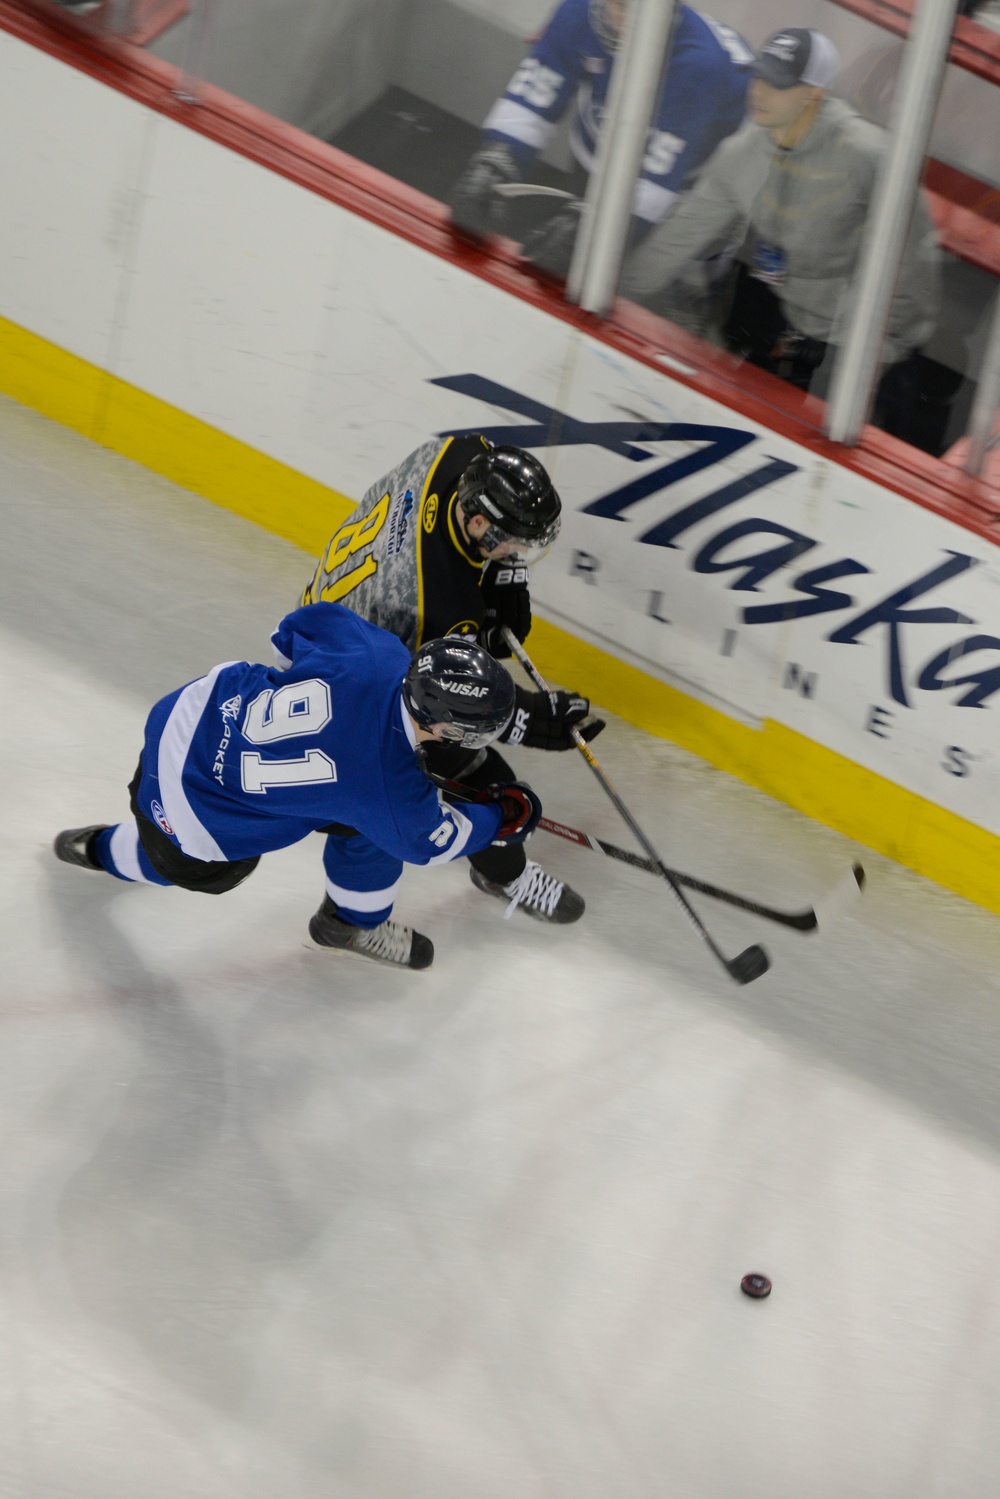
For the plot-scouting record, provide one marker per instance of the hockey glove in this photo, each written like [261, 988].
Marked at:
[550, 246]
[542, 720]
[505, 591]
[521, 810]
[475, 208]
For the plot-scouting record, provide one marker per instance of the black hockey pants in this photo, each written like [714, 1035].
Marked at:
[211, 877]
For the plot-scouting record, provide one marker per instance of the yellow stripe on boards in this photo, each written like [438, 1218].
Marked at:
[806, 775]
[795, 770]
[160, 437]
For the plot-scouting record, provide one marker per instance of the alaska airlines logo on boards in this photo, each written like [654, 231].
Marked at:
[546, 427]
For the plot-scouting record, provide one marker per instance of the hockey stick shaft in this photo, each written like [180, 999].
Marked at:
[806, 920]
[800, 921]
[747, 965]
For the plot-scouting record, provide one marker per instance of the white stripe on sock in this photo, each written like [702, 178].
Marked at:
[124, 850]
[361, 900]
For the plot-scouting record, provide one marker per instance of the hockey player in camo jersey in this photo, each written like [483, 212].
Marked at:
[441, 546]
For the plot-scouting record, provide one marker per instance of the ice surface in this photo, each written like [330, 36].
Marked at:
[278, 1222]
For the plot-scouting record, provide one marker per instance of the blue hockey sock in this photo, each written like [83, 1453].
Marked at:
[119, 853]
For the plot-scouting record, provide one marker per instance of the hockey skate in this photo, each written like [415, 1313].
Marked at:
[536, 893]
[72, 846]
[389, 942]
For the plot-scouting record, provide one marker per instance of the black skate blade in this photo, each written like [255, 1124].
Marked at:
[748, 965]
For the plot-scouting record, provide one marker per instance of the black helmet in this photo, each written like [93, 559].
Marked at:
[456, 682]
[513, 491]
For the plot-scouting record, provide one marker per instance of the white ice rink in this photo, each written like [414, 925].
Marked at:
[281, 1224]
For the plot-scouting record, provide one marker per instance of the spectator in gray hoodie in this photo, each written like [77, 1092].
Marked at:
[788, 196]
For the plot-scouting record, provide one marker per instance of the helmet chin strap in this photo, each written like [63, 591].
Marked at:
[526, 550]
[494, 536]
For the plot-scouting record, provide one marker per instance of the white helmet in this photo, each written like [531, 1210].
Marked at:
[607, 17]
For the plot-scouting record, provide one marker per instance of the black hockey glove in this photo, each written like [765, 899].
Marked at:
[521, 810]
[550, 246]
[475, 208]
[541, 723]
[505, 592]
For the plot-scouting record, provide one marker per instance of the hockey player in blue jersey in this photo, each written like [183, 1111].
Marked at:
[439, 546]
[702, 99]
[250, 758]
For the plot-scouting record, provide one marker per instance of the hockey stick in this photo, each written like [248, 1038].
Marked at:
[747, 965]
[807, 920]
[530, 190]
[811, 919]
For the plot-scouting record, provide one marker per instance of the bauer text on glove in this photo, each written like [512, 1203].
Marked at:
[504, 587]
[543, 720]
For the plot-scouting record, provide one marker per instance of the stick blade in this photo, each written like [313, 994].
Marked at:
[841, 899]
[529, 190]
[748, 965]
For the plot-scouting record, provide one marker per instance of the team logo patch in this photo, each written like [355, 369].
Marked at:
[783, 47]
[464, 627]
[430, 512]
[399, 523]
[231, 707]
[160, 817]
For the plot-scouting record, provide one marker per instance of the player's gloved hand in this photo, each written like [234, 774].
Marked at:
[550, 246]
[521, 809]
[505, 590]
[475, 207]
[542, 720]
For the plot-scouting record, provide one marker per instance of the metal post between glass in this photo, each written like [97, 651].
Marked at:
[856, 370]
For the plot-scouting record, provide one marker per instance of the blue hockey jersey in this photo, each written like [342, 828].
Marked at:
[702, 100]
[251, 758]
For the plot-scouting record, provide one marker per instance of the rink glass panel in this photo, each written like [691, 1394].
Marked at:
[405, 86]
[402, 85]
[960, 196]
[960, 188]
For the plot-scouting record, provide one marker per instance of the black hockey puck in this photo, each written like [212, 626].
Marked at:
[755, 1285]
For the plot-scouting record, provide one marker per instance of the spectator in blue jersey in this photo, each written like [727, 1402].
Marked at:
[702, 100]
[251, 758]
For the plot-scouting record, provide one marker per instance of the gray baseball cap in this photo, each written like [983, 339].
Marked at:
[797, 55]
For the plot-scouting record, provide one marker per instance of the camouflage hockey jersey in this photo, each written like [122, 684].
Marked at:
[400, 560]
